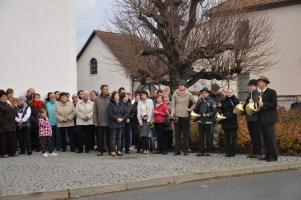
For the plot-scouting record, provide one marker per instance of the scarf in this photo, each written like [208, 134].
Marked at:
[38, 104]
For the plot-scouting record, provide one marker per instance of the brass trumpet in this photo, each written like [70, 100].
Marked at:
[194, 116]
[239, 109]
[219, 117]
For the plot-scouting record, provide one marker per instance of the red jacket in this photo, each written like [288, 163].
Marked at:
[162, 113]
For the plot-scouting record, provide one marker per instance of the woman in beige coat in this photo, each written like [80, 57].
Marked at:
[65, 114]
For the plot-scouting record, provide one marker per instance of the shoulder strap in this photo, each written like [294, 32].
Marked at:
[25, 111]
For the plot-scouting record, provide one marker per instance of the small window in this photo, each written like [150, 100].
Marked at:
[93, 66]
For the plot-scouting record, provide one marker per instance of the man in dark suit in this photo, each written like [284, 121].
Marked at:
[267, 117]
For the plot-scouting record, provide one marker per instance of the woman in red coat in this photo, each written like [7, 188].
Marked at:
[160, 114]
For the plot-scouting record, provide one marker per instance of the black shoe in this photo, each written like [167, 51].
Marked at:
[78, 151]
[100, 154]
[200, 154]
[177, 153]
[271, 160]
[87, 151]
[72, 150]
[207, 154]
[263, 158]
[227, 155]
[29, 153]
[164, 153]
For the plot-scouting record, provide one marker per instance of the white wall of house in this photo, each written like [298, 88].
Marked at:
[285, 76]
[109, 69]
[37, 45]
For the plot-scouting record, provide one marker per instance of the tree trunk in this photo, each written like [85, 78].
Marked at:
[174, 78]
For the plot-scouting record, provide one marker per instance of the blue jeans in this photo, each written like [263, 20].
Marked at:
[116, 134]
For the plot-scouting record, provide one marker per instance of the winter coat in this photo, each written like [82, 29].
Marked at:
[228, 110]
[268, 113]
[145, 108]
[116, 110]
[45, 129]
[218, 98]
[23, 112]
[100, 115]
[65, 110]
[128, 110]
[180, 102]
[7, 118]
[50, 107]
[205, 106]
[83, 110]
[35, 107]
[162, 113]
[133, 115]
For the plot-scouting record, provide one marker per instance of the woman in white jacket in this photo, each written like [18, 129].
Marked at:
[84, 122]
[145, 117]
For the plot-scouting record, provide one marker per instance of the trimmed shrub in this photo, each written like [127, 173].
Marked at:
[288, 134]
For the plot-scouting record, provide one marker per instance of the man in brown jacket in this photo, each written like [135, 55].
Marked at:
[101, 119]
[182, 104]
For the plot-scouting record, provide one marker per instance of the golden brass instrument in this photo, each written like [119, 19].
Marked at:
[239, 109]
[219, 117]
[194, 116]
[253, 107]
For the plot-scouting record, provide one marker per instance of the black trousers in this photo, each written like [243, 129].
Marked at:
[35, 140]
[145, 143]
[162, 137]
[84, 137]
[269, 140]
[72, 137]
[136, 136]
[46, 144]
[182, 128]
[230, 141]
[103, 136]
[255, 137]
[169, 134]
[8, 143]
[92, 138]
[126, 137]
[24, 138]
[205, 137]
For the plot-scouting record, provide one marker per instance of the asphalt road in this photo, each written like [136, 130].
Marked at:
[271, 186]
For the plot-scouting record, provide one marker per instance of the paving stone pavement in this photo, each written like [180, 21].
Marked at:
[25, 174]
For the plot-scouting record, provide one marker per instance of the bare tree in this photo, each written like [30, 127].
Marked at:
[198, 39]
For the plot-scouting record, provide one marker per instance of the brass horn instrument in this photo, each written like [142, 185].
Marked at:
[219, 117]
[239, 109]
[194, 116]
[253, 107]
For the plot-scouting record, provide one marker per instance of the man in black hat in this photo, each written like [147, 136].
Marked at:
[252, 121]
[267, 117]
[206, 108]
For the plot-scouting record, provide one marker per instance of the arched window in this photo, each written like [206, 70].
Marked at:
[93, 66]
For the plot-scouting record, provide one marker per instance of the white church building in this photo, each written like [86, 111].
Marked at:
[37, 45]
[104, 59]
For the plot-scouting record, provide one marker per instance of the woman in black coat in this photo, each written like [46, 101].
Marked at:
[230, 124]
[7, 127]
[117, 117]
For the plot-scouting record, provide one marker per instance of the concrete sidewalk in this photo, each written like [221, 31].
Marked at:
[73, 175]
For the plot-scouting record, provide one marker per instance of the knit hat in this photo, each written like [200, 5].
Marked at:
[183, 82]
[204, 89]
[215, 87]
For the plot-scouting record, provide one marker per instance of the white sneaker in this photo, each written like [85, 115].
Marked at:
[45, 154]
[53, 154]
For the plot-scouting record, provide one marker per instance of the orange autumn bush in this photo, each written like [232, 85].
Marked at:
[288, 134]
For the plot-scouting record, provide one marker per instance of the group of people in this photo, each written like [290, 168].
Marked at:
[113, 122]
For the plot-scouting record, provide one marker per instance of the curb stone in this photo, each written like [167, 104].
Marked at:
[177, 179]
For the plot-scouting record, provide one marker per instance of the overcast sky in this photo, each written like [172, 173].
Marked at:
[90, 15]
